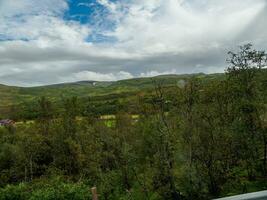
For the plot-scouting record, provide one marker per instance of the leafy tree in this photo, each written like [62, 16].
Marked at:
[45, 115]
[243, 72]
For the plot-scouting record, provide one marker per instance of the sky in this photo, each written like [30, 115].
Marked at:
[54, 41]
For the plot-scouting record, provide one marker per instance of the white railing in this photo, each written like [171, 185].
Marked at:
[250, 196]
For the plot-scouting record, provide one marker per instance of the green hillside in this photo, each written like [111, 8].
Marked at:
[106, 97]
[16, 95]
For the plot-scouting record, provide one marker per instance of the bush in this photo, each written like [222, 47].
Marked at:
[14, 192]
[51, 190]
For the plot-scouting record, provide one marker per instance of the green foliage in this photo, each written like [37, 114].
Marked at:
[55, 189]
[12, 192]
[193, 137]
[105, 97]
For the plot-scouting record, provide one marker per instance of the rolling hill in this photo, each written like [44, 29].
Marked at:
[10, 95]
[105, 96]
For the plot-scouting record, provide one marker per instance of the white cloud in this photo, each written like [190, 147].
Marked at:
[156, 73]
[45, 30]
[169, 26]
[40, 21]
[96, 76]
[10, 8]
[108, 4]
[152, 37]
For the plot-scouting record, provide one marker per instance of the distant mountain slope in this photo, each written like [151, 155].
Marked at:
[13, 95]
[10, 95]
[106, 97]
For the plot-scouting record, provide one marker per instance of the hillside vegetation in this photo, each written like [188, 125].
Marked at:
[174, 137]
[15, 95]
[99, 92]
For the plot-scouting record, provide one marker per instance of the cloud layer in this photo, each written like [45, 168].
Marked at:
[39, 46]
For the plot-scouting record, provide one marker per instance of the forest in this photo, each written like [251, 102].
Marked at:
[196, 139]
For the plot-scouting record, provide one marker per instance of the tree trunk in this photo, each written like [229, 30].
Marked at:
[25, 173]
[265, 158]
[31, 171]
[94, 193]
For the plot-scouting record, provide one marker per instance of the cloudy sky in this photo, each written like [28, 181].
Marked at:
[53, 41]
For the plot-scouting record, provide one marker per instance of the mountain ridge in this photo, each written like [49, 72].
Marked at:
[95, 81]
[14, 95]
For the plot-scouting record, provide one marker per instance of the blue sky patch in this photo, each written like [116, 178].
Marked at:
[93, 14]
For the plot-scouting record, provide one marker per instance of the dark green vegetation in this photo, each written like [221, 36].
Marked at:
[18, 103]
[199, 138]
